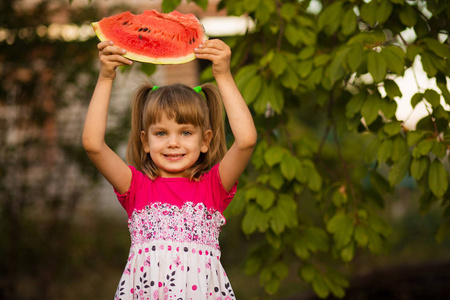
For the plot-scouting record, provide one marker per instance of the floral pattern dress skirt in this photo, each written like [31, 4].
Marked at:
[175, 255]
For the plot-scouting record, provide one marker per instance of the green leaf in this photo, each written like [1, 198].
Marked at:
[314, 179]
[399, 170]
[419, 166]
[264, 11]
[428, 65]
[341, 226]
[349, 22]
[384, 11]
[376, 66]
[304, 68]
[374, 241]
[244, 75]
[369, 12]
[280, 269]
[288, 11]
[388, 108]
[283, 214]
[251, 5]
[272, 286]
[432, 97]
[369, 110]
[236, 206]
[202, 3]
[289, 78]
[423, 148]
[169, 5]
[438, 178]
[413, 137]
[275, 95]
[274, 155]
[336, 70]
[276, 179]
[321, 59]
[278, 64]
[355, 104]
[416, 99]
[306, 52]
[355, 56]
[385, 150]
[312, 240]
[439, 149]
[348, 252]
[320, 286]
[408, 16]
[329, 18]
[148, 69]
[392, 128]
[289, 167]
[392, 89]
[307, 272]
[252, 89]
[445, 92]
[291, 33]
[265, 198]
[395, 59]
[265, 275]
[412, 51]
[436, 47]
[443, 231]
[361, 236]
[255, 218]
[399, 148]
[379, 225]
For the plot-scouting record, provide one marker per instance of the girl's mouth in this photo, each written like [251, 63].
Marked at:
[174, 156]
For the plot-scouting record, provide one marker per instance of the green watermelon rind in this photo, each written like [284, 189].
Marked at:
[145, 58]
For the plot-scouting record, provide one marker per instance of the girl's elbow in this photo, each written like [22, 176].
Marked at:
[249, 143]
[89, 145]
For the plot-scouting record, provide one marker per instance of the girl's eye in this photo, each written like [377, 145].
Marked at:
[160, 133]
[186, 133]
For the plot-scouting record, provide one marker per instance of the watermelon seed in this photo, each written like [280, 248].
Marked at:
[140, 37]
[140, 29]
[145, 29]
[193, 40]
[125, 23]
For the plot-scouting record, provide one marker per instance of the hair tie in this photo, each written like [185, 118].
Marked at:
[198, 89]
[155, 87]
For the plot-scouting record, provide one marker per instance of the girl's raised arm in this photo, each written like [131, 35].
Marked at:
[239, 116]
[113, 168]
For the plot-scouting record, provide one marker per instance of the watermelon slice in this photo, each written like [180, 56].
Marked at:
[153, 37]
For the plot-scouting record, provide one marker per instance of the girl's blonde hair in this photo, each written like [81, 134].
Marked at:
[185, 106]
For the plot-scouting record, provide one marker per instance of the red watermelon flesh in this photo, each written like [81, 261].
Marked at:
[153, 37]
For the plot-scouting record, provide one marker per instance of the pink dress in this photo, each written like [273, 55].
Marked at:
[174, 225]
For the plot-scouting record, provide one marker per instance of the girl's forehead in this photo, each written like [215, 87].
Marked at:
[165, 120]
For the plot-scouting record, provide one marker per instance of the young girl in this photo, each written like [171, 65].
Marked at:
[180, 179]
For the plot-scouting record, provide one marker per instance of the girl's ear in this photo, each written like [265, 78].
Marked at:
[144, 141]
[207, 136]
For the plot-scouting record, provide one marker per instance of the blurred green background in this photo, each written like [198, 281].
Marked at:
[63, 234]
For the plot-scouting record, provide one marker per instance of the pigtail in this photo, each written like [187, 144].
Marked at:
[218, 147]
[136, 156]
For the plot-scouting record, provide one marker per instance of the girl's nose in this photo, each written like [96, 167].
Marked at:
[173, 142]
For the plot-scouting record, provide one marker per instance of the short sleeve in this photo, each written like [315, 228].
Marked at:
[222, 197]
[127, 200]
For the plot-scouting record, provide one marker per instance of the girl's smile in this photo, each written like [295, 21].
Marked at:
[174, 147]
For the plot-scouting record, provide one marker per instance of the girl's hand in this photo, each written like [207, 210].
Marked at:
[110, 58]
[218, 53]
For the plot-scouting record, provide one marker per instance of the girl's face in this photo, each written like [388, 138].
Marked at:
[174, 147]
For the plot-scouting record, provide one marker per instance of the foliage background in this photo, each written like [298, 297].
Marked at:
[334, 189]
